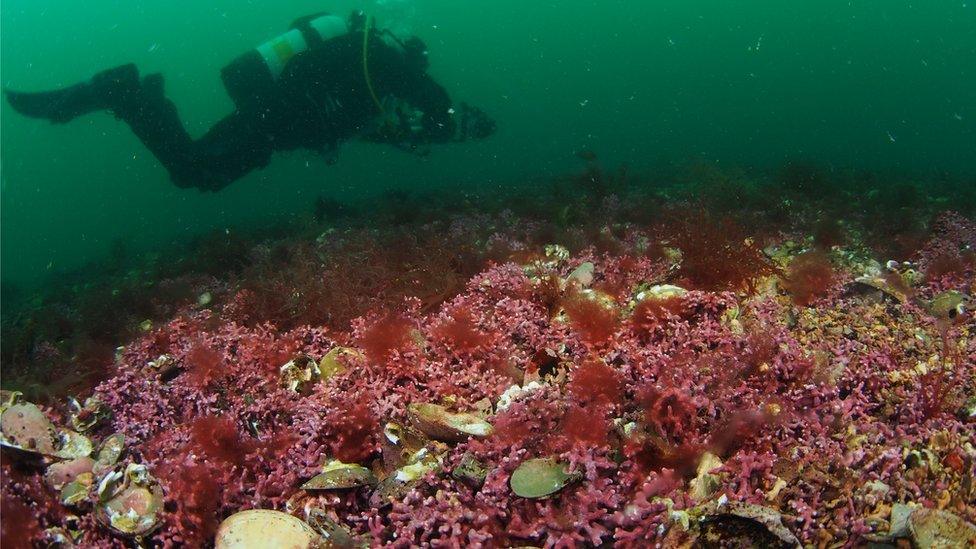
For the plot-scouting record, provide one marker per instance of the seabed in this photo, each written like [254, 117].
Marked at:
[613, 363]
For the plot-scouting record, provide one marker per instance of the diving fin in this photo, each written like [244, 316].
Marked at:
[107, 89]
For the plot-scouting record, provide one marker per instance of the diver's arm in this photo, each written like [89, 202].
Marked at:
[431, 98]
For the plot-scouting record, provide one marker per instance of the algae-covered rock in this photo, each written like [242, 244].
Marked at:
[935, 528]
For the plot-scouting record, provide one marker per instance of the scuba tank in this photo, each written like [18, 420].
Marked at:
[250, 79]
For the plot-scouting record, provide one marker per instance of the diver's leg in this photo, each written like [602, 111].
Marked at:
[140, 103]
[232, 148]
[66, 104]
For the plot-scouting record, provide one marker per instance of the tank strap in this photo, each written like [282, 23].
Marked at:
[305, 34]
[280, 49]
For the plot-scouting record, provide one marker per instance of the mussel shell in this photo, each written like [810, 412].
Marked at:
[439, 424]
[340, 477]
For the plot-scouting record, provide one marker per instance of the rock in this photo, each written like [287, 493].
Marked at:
[940, 529]
[265, 529]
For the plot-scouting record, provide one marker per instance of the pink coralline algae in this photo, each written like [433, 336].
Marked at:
[823, 412]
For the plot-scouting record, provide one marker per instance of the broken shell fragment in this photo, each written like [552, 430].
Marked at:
[439, 424]
[72, 445]
[947, 305]
[705, 483]
[300, 373]
[540, 477]
[87, 415]
[76, 492]
[418, 465]
[165, 366]
[335, 534]
[662, 292]
[263, 528]
[470, 471]
[398, 444]
[129, 502]
[109, 453]
[337, 475]
[750, 524]
[886, 286]
[61, 473]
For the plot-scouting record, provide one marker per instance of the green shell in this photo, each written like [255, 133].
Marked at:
[339, 476]
[538, 478]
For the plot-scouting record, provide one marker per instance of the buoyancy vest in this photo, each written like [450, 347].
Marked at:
[251, 77]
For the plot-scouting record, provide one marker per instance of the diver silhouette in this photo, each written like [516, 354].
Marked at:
[328, 79]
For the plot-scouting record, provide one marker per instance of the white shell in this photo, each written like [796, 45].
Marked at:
[264, 529]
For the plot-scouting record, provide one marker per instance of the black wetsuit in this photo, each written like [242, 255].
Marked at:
[320, 99]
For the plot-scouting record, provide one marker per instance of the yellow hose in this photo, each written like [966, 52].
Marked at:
[369, 81]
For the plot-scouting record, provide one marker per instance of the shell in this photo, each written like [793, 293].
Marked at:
[109, 452]
[540, 477]
[76, 492]
[582, 275]
[337, 475]
[300, 374]
[882, 284]
[25, 427]
[129, 502]
[768, 523]
[331, 364]
[470, 470]
[439, 424]
[264, 529]
[61, 473]
[947, 305]
[87, 415]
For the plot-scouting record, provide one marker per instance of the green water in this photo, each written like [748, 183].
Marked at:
[882, 84]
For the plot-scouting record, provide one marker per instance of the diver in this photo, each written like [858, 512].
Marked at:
[326, 80]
